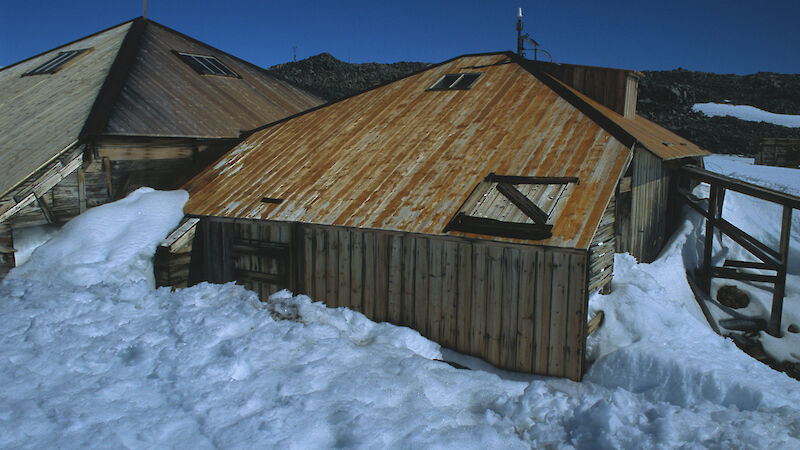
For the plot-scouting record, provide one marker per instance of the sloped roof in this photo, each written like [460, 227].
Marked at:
[130, 83]
[645, 133]
[41, 115]
[402, 157]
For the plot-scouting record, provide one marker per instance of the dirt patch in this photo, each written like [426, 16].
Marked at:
[733, 297]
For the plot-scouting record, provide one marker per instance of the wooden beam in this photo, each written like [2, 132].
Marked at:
[708, 246]
[514, 179]
[774, 327]
[595, 322]
[46, 212]
[107, 170]
[81, 190]
[751, 244]
[741, 186]
[520, 201]
[41, 186]
[492, 227]
[732, 274]
[747, 264]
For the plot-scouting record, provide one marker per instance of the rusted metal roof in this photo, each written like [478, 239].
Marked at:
[653, 137]
[405, 158]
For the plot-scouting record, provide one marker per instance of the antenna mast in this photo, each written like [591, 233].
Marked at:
[144, 8]
[521, 38]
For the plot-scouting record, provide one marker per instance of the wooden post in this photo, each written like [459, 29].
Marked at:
[709, 238]
[81, 190]
[774, 326]
[107, 169]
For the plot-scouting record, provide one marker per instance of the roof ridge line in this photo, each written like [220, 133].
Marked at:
[114, 81]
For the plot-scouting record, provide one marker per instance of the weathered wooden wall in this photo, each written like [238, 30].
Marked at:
[6, 250]
[778, 152]
[601, 251]
[614, 88]
[646, 232]
[518, 307]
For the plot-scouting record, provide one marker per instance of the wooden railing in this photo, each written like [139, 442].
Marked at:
[770, 259]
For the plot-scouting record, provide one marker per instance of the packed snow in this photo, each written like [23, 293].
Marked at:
[95, 357]
[746, 112]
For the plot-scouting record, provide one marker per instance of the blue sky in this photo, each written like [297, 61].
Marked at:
[712, 36]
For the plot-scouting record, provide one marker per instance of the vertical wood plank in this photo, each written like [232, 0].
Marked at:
[320, 264]
[544, 282]
[343, 293]
[510, 312]
[395, 282]
[381, 276]
[450, 295]
[525, 325]
[464, 297]
[81, 190]
[332, 268]
[408, 300]
[421, 296]
[435, 251]
[494, 303]
[558, 314]
[578, 301]
[370, 262]
[478, 303]
[309, 269]
[357, 270]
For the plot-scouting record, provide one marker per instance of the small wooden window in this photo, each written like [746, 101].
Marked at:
[207, 65]
[455, 82]
[55, 63]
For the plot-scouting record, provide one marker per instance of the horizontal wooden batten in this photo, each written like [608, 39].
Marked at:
[514, 179]
[481, 225]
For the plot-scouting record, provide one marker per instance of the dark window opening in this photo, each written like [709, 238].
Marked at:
[455, 82]
[271, 200]
[57, 62]
[207, 65]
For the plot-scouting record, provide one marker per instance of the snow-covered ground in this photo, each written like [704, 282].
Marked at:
[746, 112]
[93, 356]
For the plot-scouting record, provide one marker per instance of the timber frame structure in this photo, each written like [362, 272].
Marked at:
[769, 259]
[482, 217]
[92, 120]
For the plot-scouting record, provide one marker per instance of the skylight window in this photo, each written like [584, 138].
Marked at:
[57, 62]
[207, 65]
[455, 82]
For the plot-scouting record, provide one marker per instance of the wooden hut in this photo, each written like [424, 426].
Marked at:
[136, 104]
[781, 152]
[473, 201]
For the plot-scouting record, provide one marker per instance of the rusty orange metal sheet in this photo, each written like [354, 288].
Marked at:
[403, 158]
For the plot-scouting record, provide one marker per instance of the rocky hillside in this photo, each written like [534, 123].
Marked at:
[666, 97]
[332, 79]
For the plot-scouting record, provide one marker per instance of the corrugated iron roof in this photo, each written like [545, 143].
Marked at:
[401, 157]
[655, 138]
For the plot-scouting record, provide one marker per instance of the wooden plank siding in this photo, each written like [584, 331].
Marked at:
[649, 203]
[519, 307]
[601, 251]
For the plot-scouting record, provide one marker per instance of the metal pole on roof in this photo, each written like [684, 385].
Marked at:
[144, 8]
[520, 38]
